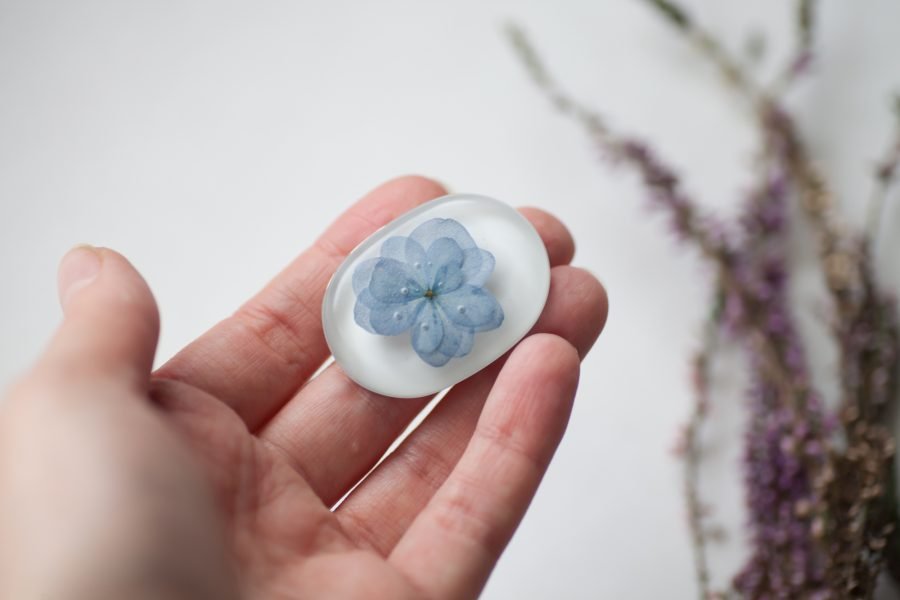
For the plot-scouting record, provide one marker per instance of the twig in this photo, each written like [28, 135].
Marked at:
[885, 177]
[693, 451]
[563, 102]
[799, 61]
[711, 47]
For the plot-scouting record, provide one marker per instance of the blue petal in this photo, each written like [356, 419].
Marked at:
[445, 252]
[362, 314]
[388, 319]
[417, 261]
[472, 307]
[362, 274]
[414, 254]
[436, 358]
[431, 230]
[408, 251]
[477, 266]
[444, 261]
[428, 330]
[394, 247]
[366, 298]
[393, 282]
[457, 342]
[447, 279]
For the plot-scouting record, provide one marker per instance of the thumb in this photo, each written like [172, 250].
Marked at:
[111, 322]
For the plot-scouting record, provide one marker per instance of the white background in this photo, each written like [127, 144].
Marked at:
[211, 141]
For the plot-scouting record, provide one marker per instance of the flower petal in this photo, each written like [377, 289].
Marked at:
[444, 252]
[457, 342]
[394, 319]
[395, 248]
[436, 358]
[362, 310]
[431, 230]
[414, 254]
[447, 279]
[362, 275]
[477, 266]
[362, 313]
[394, 283]
[473, 307]
[417, 260]
[366, 298]
[444, 258]
[407, 251]
[428, 330]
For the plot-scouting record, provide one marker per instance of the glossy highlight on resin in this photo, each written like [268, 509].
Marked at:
[431, 285]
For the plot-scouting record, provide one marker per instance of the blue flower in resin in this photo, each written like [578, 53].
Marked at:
[430, 283]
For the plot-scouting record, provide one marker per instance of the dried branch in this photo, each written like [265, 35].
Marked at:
[693, 449]
[886, 175]
[802, 55]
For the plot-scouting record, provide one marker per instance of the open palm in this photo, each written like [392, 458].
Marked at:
[227, 463]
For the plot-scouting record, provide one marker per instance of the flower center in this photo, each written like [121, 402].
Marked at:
[429, 294]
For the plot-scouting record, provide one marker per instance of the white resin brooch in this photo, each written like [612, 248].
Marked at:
[436, 295]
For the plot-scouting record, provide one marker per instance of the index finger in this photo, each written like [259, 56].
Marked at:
[257, 358]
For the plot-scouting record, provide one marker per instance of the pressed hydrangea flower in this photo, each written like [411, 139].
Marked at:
[431, 284]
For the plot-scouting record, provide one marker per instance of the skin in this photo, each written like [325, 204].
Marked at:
[215, 476]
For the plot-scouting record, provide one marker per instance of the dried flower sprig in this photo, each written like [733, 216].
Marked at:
[865, 328]
[784, 449]
[820, 489]
[747, 295]
[861, 309]
[856, 530]
[665, 191]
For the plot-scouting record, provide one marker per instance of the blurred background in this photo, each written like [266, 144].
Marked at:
[210, 142]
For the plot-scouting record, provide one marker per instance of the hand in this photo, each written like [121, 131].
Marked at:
[215, 477]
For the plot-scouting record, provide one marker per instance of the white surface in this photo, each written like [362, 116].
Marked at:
[211, 141]
[520, 283]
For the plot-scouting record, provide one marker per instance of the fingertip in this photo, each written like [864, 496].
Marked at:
[577, 307]
[419, 185]
[556, 236]
[378, 208]
[595, 291]
[396, 196]
[111, 318]
[121, 287]
[546, 356]
[77, 269]
[534, 392]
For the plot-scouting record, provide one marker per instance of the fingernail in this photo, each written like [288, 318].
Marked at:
[79, 267]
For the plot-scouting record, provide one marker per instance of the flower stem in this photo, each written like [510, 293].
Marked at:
[694, 450]
[885, 177]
